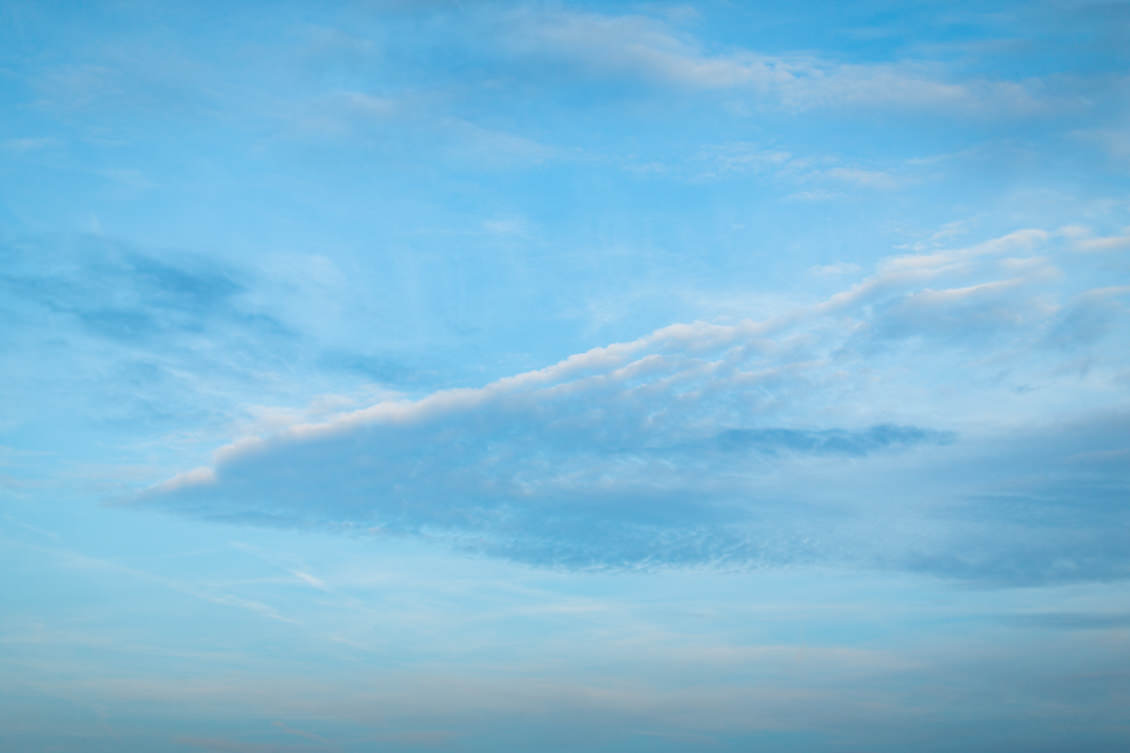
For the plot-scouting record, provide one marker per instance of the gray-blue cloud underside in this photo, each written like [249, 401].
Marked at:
[122, 293]
[937, 416]
[129, 338]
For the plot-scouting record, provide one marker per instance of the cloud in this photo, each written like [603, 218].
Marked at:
[836, 269]
[817, 195]
[608, 458]
[1111, 620]
[128, 339]
[986, 309]
[745, 444]
[225, 745]
[83, 562]
[1114, 141]
[1108, 243]
[637, 45]
[135, 78]
[507, 227]
[827, 178]
[121, 293]
[863, 178]
[1089, 317]
[384, 368]
[653, 49]
[828, 441]
[494, 148]
[413, 124]
[741, 157]
[28, 144]
[346, 113]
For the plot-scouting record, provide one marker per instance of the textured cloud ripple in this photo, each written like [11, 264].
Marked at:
[810, 436]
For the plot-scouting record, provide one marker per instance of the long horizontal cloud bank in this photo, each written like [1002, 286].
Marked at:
[960, 411]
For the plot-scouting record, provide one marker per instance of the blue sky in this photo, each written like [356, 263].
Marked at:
[565, 376]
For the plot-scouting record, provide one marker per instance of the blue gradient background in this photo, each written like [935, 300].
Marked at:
[543, 376]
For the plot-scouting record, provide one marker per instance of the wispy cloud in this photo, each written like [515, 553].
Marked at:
[346, 113]
[837, 269]
[122, 293]
[823, 172]
[28, 144]
[1107, 243]
[863, 178]
[1114, 141]
[83, 562]
[653, 49]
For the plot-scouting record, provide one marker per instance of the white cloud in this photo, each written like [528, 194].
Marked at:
[683, 445]
[1109, 243]
[651, 48]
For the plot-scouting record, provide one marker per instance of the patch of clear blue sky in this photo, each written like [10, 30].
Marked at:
[855, 477]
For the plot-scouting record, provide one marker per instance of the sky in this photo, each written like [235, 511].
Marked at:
[452, 376]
